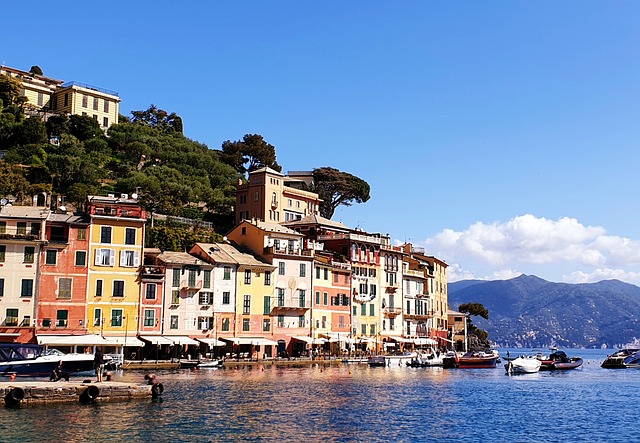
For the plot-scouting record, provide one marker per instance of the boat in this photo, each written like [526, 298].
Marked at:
[478, 359]
[391, 360]
[205, 364]
[31, 360]
[523, 365]
[376, 361]
[558, 360]
[425, 359]
[624, 358]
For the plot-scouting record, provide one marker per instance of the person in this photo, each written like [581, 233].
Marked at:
[98, 363]
[151, 379]
[58, 373]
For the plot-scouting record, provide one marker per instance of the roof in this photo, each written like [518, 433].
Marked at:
[316, 219]
[179, 258]
[266, 169]
[68, 218]
[24, 212]
[275, 227]
[219, 252]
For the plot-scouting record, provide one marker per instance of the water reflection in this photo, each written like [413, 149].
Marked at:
[348, 403]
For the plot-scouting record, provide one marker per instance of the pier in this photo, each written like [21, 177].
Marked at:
[42, 392]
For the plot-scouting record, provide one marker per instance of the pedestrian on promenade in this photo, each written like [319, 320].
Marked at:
[98, 363]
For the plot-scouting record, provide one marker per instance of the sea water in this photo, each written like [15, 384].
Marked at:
[350, 403]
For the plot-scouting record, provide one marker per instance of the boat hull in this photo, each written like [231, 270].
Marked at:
[523, 366]
[44, 366]
[625, 358]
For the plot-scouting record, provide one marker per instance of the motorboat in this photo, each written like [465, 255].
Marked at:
[429, 358]
[376, 361]
[558, 360]
[31, 360]
[450, 360]
[392, 360]
[624, 358]
[523, 365]
[478, 359]
[208, 364]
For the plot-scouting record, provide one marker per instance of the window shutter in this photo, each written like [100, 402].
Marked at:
[112, 257]
[123, 258]
[136, 258]
[98, 256]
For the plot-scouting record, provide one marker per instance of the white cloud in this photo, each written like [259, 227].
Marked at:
[530, 242]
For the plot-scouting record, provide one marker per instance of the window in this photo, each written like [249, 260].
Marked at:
[40, 99]
[66, 99]
[317, 297]
[225, 324]
[364, 329]
[301, 321]
[174, 322]
[363, 309]
[372, 309]
[324, 322]
[11, 319]
[51, 257]
[3, 251]
[149, 317]
[175, 297]
[372, 289]
[267, 305]
[326, 274]
[95, 103]
[341, 324]
[372, 330]
[355, 310]
[326, 298]
[247, 277]
[302, 299]
[46, 322]
[118, 288]
[99, 285]
[150, 293]
[105, 106]
[3, 227]
[29, 252]
[266, 324]
[246, 306]
[82, 234]
[175, 280]
[129, 259]
[281, 268]
[105, 234]
[280, 297]
[105, 257]
[281, 321]
[206, 279]
[318, 272]
[97, 317]
[130, 236]
[105, 121]
[27, 288]
[81, 258]
[64, 288]
[205, 323]
[227, 273]
[226, 297]
[1, 287]
[21, 228]
[205, 298]
[116, 317]
[267, 278]
[303, 269]
[246, 324]
[62, 318]
[85, 101]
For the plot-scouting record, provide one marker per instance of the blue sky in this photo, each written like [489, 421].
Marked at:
[500, 135]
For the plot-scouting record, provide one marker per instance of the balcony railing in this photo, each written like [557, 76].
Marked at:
[392, 312]
[191, 284]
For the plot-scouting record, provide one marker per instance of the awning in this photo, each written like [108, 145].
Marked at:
[181, 340]
[125, 341]
[156, 340]
[256, 341]
[402, 339]
[310, 340]
[72, 340]
[424, 341]
[211, 341]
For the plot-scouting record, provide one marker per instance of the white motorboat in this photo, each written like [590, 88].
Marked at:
[523, 365]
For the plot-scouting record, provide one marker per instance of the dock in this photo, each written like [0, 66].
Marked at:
[28, 393]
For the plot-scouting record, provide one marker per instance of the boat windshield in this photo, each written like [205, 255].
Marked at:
[52, 352]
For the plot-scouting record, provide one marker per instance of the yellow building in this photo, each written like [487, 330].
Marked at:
[46, 95]
[273, 197]
[115, 253]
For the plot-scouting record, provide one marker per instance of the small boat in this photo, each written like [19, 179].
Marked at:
[558, 360]
[450, 360]
[624, 358]
[376, 361]
[478, 359]
[205, 364]
[391, 360]
[424, 359]
[523, 365]
[31, 360]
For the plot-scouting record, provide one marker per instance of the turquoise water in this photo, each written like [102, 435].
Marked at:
[353, 403]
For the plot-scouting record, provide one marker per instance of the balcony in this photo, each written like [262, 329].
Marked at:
[408, 315]
[291, 304]
[191, 284]
[392, 312]
[152, 272]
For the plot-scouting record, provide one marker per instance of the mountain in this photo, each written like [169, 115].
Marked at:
[528, 311]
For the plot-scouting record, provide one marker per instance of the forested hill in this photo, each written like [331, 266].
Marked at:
[528, 311]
